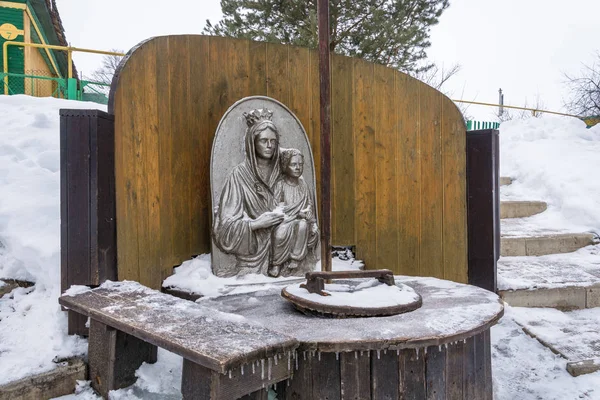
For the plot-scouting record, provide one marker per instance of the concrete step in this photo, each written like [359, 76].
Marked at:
[562, 298]
[505, 180]
[58, 382]
[545, 244]
[561, 281]
[521, 209]
[573, 335]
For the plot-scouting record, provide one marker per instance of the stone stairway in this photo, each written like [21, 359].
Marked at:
[530, 255]
[552, 270]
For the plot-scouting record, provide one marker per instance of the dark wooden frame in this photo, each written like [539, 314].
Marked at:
[483, 207]
[87, 198]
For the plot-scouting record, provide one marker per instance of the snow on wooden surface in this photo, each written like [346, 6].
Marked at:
[215, 339]
[450, 312]
[368, 294]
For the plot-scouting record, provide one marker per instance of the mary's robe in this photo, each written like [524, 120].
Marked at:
[246, 196]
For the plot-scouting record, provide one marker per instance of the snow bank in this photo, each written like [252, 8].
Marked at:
[32, 328]
[196, 276]
[556, 160]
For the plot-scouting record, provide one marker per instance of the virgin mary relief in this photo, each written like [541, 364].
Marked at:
[263, 192]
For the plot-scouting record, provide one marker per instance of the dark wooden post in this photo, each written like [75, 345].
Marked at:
[325, 99]
[87, 198]
[483, 207]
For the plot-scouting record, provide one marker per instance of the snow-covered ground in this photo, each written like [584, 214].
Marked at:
[32, 326]
[556, 160]
[553, 159]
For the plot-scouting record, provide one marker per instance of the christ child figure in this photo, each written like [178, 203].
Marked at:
[295, 239]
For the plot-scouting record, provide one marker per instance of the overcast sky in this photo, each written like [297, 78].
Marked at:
[521, 46]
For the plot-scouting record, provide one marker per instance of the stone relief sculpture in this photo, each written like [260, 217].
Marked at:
[295, 238]
[264, 219]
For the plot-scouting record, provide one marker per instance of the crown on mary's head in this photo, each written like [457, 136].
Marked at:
[258, 115]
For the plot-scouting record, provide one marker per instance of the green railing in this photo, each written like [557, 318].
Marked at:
[48, 86]
[93, 91]
[33, 85]
[477, 125]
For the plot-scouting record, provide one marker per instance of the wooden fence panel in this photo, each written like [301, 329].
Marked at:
[399, 192]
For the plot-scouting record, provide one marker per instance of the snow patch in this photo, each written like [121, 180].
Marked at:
[368, 294]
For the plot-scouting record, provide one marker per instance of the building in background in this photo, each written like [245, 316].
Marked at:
[33, 71]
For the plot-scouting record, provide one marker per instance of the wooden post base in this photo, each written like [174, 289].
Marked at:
[114, 356]
[200, 383]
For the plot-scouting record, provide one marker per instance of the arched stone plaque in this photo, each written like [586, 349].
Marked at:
[264, 211]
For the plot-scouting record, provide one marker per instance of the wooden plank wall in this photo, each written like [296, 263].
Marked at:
[399, 191]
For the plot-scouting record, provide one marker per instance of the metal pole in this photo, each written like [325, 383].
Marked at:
[325, 109]
[501, 101]
[70, 62]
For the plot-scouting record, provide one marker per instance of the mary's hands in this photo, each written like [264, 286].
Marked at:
[266, 220]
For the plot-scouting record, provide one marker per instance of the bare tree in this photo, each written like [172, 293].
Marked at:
[106, 71]
[510, 113]
[436, 76]
[584, 90]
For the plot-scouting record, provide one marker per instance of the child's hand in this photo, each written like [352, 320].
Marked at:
[306, 213]
[314, 229]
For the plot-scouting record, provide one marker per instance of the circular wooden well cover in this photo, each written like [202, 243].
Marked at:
[375, 294]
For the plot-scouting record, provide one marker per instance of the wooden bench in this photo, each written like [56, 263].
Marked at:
[225, 356]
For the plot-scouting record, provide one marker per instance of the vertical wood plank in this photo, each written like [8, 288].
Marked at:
[257, 58]
[64, 208]
[342, 152]
[455, 355]
[201, 142]
[180, 133]
[412, 374]
[487, 349]
[479, 354]
[141, 135]
[78, 200]
[278, 68]
[454, 234]
[299, 83]
[355, 373]
[364, 141]
[148, 175]
[300, 384]
[326, 377]
[105, 192]
[386, 202]
[471, 388]
[385, 375]
[408, 175]
[126, 190]
[435, 366]
[165, 144]
[431, 256]
[197, 382]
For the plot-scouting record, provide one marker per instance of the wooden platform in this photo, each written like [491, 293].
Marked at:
[440, 351]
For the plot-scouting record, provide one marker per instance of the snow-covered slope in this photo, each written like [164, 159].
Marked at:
[32, 328]
[556, 160]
